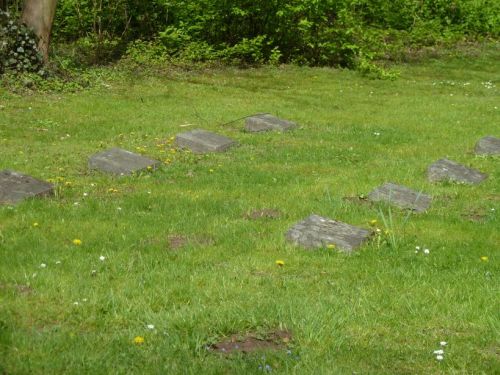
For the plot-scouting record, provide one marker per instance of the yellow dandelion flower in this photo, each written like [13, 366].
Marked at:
[68, 184]
[138, 340]
[280, 263]
[373, 222]
[150, 168]
[484, 258]
[112, 190]
[330, 246]
[211, 170]
[35, 224]
[77, 242]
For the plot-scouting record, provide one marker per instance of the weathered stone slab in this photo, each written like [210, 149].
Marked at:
[401, 196]
[120, 162]
[488, 146]
[201, 141]
[317, 231]
[266, 122]
[14, 187]
[447, 170]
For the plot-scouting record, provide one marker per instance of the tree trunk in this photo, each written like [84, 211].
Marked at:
[39, 15]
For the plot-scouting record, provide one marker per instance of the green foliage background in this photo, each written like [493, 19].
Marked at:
[313, 32]
[345, 33]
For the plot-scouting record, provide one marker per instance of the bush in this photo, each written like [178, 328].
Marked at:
[18, 50]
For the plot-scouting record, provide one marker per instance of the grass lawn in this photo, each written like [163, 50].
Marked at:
[181, 255]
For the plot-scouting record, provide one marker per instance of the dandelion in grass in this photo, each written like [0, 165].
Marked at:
[280, 263]
[77, 242]
[58, 262]
[68, 184]
[484, 259]
[138, 340]
[35, 224]
[330, 246]
[43, 265]
[211, 170]
[427, 251]
[373, 222]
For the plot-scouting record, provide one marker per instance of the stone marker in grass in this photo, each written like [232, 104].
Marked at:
[488, 146]
[121, 162]
[447, 170]
[317, 231]
[401, 196]
[14, 187]
[201, 141]
[266, 122]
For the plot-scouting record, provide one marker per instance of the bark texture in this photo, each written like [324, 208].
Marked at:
[39, 15]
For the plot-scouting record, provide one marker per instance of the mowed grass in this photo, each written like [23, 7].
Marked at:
[383, 309]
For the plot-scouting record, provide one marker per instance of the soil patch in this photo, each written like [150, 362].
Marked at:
[361, 199]
[19, 288]
[266, 213]
[177, 241]
[252, 342]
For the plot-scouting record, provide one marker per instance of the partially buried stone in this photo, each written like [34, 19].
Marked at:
[201, 141]
[121, 162]
[488, 146]
[317, 232]
[447, 170]
[15, 187]
[266, 122]
[401, 196]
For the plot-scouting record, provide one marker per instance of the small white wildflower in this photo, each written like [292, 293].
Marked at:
[102, 258]
[76, 204]
[119, 208]
[76, 303]
[439, 351]
[85, 194]
[149, 192]
[443, 343]
[376, 134]
[58, 262]
[43, 265]
[92, 184]
[84, 300]
[417, 248]
[426, 251]
[151, 326]
[439, 357]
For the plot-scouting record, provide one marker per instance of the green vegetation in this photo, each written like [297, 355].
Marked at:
[359, 34]
[381, 310]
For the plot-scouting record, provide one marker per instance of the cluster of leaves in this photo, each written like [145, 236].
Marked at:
[18, 50]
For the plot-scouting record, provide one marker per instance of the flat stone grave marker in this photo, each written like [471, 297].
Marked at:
[120, 162]
[447, 170]
[401, 196]
[201, 141]
[15, 187]
[317, 231]
[488, 146]
[267, 122]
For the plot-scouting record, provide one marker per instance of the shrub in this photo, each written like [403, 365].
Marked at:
[18, 50]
